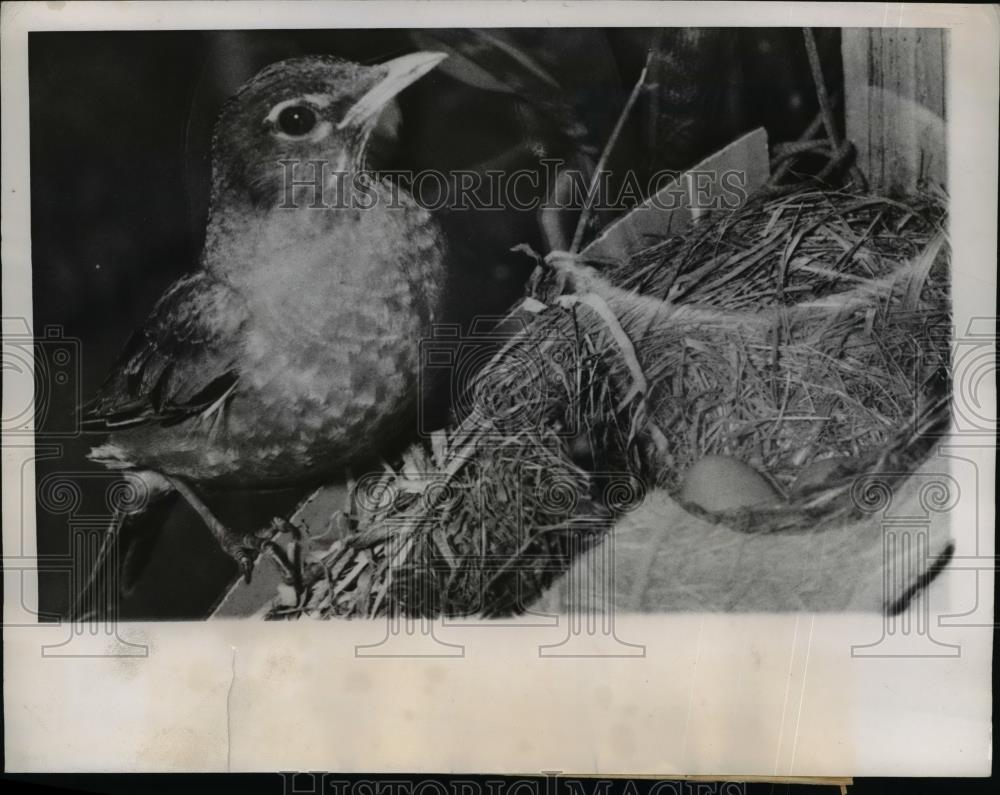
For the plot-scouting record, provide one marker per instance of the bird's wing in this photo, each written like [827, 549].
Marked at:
[181, 362]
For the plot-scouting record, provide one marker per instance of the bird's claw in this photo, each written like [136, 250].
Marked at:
[288, 559]
[244, 556]
[244, 549]
[241, 548]
[289, 566]
[246, 567]
[280, 524]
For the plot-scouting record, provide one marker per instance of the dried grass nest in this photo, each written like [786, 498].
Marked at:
[793, 329]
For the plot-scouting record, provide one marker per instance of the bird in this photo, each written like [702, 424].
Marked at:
[293, 347]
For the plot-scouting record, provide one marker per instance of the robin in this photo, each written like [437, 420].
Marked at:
[292, 350]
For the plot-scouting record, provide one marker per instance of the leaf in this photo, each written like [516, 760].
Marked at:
[663, 214]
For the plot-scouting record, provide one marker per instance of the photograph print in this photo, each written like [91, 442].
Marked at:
[488, 322]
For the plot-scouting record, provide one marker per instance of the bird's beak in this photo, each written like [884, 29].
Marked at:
[401, 72]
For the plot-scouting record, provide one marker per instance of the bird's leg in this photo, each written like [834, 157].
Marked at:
[233, 544]
[289, 562]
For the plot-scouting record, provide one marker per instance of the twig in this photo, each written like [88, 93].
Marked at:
[824, 100]
[587, 210]
[781, 165]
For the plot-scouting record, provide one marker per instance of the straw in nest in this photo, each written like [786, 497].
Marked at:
[798, 328]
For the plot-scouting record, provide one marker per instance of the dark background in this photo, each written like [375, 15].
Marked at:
[120, 168]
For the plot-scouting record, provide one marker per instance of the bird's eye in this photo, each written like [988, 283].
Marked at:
[296, 120]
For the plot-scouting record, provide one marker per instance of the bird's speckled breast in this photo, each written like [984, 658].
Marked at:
[337, 305]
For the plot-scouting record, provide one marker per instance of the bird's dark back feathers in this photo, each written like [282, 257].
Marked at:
[178, 364]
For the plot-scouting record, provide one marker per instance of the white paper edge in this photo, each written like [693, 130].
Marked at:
[766, 695]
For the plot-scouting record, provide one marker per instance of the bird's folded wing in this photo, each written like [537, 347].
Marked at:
[181, 362]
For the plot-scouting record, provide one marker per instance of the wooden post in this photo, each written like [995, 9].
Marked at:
[895, 104]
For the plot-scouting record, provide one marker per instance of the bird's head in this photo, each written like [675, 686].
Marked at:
[316, 108]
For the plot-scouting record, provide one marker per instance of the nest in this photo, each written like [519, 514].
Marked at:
[794, 329]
